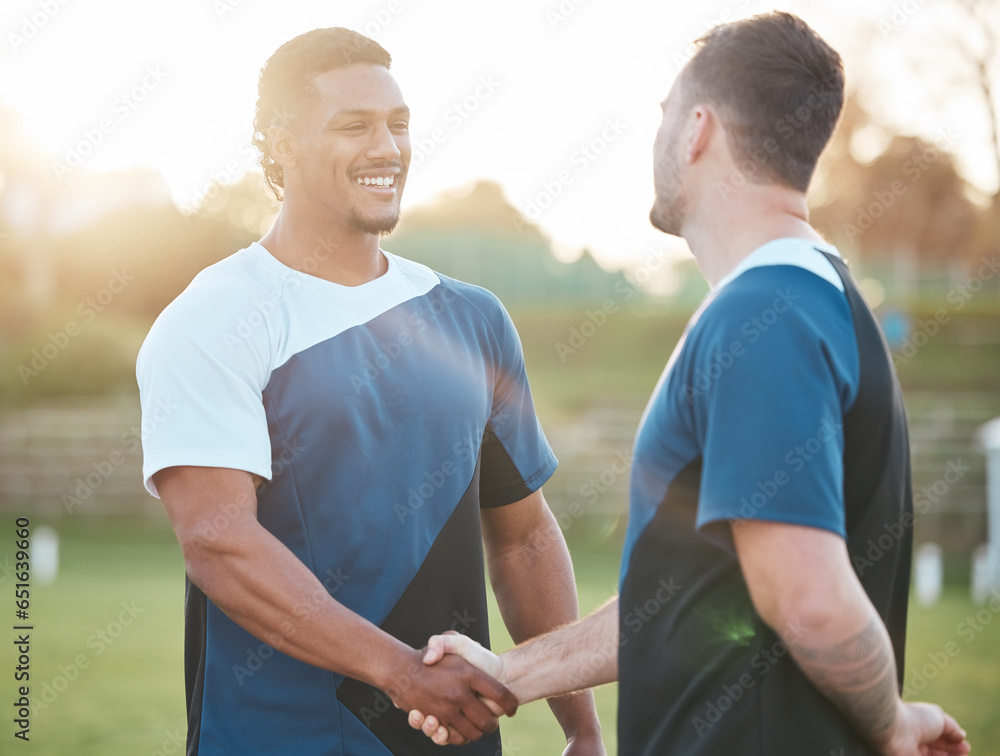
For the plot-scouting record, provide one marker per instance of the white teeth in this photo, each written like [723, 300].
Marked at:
[377, 181]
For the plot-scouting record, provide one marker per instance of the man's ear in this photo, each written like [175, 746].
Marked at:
[703, 125]
[281, 144]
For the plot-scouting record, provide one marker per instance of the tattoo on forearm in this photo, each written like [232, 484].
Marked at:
[858, 675]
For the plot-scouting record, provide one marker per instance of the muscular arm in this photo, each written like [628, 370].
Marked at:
[259, 583]
[801, 582]
[532, 577]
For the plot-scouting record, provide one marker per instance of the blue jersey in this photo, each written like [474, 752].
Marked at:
[382, 416]
[779, 403]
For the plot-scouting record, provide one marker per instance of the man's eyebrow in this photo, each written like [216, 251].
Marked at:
[367, 113]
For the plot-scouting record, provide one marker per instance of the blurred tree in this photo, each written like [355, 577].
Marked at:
[245, 206]
[980, 49]
[154, 248]
[984, 58]
[889, 196]
[481, 206]
[909, 200]
[476, 235]
[959, 60]
[27, 187]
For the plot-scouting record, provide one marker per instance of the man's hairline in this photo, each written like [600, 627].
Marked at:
[310, 84]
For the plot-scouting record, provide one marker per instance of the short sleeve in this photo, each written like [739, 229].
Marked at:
[770, 388]
[516, 457]
[200, 384]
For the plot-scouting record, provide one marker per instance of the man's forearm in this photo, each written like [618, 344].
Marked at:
[801, 578]
[267, 590]
[850, 660]
[802, 584]
[573, 657]
[536, 592]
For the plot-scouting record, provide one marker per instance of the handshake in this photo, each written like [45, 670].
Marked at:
[469, 687]
[472, 699]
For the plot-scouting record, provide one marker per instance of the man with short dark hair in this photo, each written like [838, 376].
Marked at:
[346, 430]
[772, 452]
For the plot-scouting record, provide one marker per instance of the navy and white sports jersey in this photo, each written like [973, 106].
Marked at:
[383, 416]
[779, 403]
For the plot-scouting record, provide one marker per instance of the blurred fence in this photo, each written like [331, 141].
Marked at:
[73, 459]
[84, 459]
[949, 468]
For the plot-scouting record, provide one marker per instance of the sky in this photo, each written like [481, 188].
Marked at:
[557, 100]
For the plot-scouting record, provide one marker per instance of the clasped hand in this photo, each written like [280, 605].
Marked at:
[448, 650]
[466, 701]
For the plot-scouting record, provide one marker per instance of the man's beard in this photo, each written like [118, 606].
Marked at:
[380, 225]
[670, 206]
[668, 211]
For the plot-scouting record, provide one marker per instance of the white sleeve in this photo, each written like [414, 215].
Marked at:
[200, 385]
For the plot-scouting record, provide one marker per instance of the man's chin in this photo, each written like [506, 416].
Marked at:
[665, 222]
[375, 224]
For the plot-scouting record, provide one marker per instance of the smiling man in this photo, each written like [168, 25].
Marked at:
[333, 473]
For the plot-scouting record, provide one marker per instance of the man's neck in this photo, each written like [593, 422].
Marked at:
[727, 233]
[346, 256]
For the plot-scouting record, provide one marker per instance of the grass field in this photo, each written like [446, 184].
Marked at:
[106, 652]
